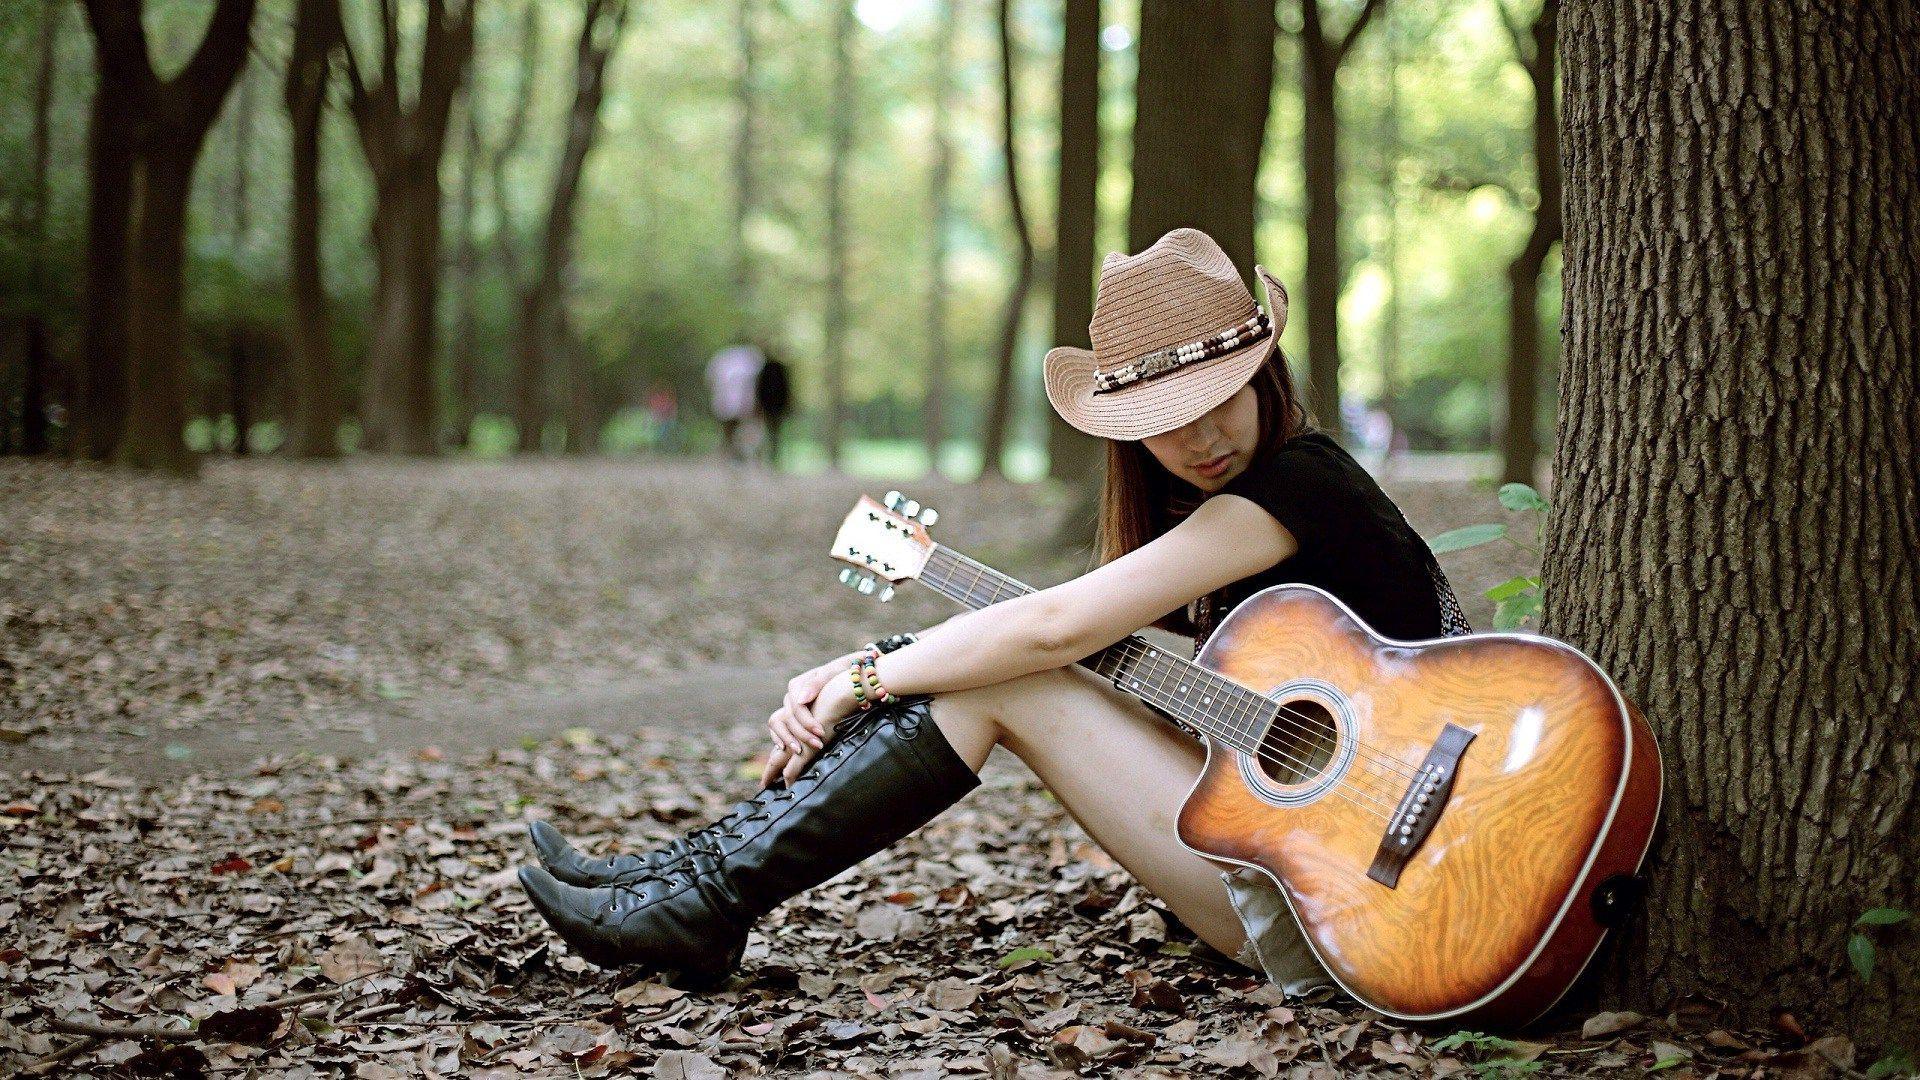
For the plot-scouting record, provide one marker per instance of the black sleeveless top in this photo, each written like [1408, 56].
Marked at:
[1354, 543]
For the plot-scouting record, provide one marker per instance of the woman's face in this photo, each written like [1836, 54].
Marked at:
[1214, 448]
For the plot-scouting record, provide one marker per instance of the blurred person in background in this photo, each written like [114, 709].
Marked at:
[772, 392]
[731, 376]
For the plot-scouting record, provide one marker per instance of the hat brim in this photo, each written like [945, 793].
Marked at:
[1165, 402]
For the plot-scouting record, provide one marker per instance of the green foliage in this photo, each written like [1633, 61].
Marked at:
[1895, 1062]
[1861, 951]
[1516, 600]
[1514, 1058]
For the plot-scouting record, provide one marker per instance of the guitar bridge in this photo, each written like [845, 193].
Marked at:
[1419, 807]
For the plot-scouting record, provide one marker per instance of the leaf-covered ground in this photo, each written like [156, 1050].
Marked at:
[333, 913]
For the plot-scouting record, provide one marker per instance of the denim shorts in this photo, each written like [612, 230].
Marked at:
[1275, 944]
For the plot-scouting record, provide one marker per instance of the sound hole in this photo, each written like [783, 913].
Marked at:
[1299, 743]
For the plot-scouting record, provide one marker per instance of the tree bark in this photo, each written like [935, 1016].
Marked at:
[1202, 96]
[940, 199]
[1074, 457]
[993, 449]
[1520, 445]
[403, 145]
[315, 424]
[841, 146]
[148, 135]
[1733, 534]
[100, 412]
[1320, 58]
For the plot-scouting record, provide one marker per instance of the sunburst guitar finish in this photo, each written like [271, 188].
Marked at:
[1496, 914]
[1455, 822]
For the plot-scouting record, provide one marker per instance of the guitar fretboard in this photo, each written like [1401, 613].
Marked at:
[1197, 699]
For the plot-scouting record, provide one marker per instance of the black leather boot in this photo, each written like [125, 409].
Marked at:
[886, 773]
[571, 865]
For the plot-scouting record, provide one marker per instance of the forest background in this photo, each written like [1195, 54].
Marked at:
[703, 218]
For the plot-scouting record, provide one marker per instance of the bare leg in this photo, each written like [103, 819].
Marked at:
[1119, 769]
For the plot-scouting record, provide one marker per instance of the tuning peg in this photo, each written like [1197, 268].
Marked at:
[893, 500]
[929, 516]
[886, 594]
[911, 508]
[846, 575]
[866, 586]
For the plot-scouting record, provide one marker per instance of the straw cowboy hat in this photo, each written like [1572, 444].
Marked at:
[1175, 333]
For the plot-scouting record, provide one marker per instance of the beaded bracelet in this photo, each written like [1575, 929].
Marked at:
[878, 693]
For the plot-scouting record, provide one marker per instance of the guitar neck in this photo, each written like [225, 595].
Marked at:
[1196, 698]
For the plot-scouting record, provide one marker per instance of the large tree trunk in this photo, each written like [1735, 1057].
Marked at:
[1074, 457]
[403, 144]
[157, 368]
[1520, 444]
[148, 135]
[37, 369]
[840, 148]
[100, 412]
[1320, 58]
[1733, 534]
[1205, 84]
[315, 424]
[940, 199]
[1000, 410]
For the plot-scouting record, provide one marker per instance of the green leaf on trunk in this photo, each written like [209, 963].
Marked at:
[1884, 916]
[1860, 951]
[1521, 497]
[1466, 537]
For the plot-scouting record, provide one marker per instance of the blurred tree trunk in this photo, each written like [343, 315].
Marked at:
[994, 446]
[462, 365]
[403, 145]
[1205, 84]
[601, 25]
[529, 402]
[1536, 49]
[1320, 60]
[745, 91]
[1390, 151]
[314, 428]
[1074, 457]
[36, 369]
[1733, 533]
[238, 330]
[148, 134]
[835, 328]
[940, 201]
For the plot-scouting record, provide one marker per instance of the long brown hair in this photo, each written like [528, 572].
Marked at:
[1140, 499]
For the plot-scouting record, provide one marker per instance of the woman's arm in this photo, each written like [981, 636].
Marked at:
[1227, 538]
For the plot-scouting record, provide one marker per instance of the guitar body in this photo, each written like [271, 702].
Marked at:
[1495, 913]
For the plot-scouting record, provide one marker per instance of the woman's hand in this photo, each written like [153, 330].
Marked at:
[804, 721]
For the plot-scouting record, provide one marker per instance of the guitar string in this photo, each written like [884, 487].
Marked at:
[1386, 765]
[1384, 798]
[1371, 800]
[1299, 723]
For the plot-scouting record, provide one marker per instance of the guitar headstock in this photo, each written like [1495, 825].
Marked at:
[884, 542]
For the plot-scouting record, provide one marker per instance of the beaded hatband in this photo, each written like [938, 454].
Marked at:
[1174, 357]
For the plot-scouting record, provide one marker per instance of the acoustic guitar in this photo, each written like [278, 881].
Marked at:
[1456, 823]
